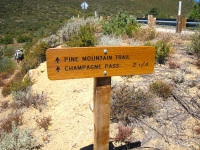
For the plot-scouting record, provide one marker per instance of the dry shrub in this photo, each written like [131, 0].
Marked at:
[197, 129]
[27, 98]
[127, 103]
[2, 82]
[16, 118]
[173, 65]
[4, 104]
[145, 34]
[161, 89]
[164, 36]
[18, 140]
[7, 88]
[15, 105]
[4, 75]
[123, 134]
[44, 122]
[198, 63]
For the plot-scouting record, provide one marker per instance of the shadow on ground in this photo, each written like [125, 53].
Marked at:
[111, 146]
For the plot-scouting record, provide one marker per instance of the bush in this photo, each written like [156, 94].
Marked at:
[4, 105]
[72, 27]
[35, 56]
[6, 65]
[198, 63]
[20, 85]
[121, 24]
[162, 50]
[16, 83]
[128, 103]
[178, 76]
[26, 98]
[84, 38]
[110, 40]
[24, 38]
[44, 122]
[161, 89]
[195, 12]
[194, 48]
[123, 134]
[15, 118]
[6, 90]
[17, 139]
[8, 39]
[9, 52]
[145, 34]
[173, 65]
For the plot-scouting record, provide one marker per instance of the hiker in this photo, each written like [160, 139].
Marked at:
[19, 56]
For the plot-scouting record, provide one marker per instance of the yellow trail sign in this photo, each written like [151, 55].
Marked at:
[87, 62]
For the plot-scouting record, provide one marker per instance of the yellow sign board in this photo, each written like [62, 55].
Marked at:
[87, 62]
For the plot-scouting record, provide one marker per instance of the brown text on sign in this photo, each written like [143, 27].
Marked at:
[99, 61]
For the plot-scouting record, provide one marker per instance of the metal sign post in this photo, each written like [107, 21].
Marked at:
[84, 6]
[99, 63]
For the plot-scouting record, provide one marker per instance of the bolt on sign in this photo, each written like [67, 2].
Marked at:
[90, 62]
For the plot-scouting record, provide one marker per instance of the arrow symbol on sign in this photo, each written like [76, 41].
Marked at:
[58, 69]
[57, 60]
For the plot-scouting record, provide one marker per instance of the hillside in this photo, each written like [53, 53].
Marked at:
[27, 16]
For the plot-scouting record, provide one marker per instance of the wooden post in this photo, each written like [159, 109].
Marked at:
[102, 89]
[151, 21]
[179, 24]
[184, 21]
[101, 18]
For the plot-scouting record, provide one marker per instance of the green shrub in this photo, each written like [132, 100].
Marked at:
[121, 24]
[35, 56]
[16, 83]
[128, 103]
[162, 50]
[161, 89]
[23, 38]
[195, 12]
[6, 65]
[20, 85]
[72, 27]
[194, 48]
[17, 139]
[8, 39]
[84, 38]
[9, 52]
[1, 40]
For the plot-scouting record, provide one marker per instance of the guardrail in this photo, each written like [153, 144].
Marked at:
[169, 22]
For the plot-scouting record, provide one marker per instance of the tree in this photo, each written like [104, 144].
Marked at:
[195, 12]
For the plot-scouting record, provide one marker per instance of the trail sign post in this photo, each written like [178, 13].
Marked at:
[99, 63]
